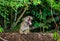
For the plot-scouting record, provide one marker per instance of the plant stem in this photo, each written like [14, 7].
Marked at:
[20, 16]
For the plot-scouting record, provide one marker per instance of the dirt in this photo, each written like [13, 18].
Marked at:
[26, 37]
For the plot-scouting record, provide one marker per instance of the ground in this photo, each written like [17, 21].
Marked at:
[27, 37]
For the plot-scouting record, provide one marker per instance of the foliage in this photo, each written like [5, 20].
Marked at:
[1, 30]
[54, 4]
[58, 40]
[55, 36]
[12, 11]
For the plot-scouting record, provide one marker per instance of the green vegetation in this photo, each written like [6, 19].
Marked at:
[1, 29]
[45, 13]
[55, 36]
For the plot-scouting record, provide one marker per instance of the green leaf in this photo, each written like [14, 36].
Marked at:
[55, 36]
[1, 29]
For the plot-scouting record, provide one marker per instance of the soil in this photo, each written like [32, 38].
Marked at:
[26, 37]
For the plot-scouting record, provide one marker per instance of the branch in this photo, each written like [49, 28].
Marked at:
[15, 15]
[20, 17]
[34, 28]
[3, 39]
[54, 19]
